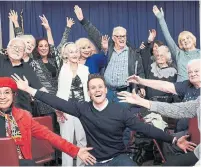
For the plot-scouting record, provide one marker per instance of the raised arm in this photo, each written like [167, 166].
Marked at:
[55, 102]
[163, 86]
[93, 33]
[173, 110]
[170, 42]
[67, 30]
[48, 29]
[13, 16]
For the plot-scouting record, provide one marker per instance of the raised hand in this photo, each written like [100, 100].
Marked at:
[128, 97]
[156, 10]
[86, 157]
[45, 22]
[104, 42]
[185, 145]
[142, 46]
[152, 35]
[21, 84]
[13, 16]
[78, 12]
[134, 79]
[70, 22]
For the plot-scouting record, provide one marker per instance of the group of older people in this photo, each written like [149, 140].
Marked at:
[87, 104]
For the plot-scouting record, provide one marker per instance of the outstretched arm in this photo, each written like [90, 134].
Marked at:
[55, 102]
[170, 42]
[42, 132]
[163, 86]
[173, 110]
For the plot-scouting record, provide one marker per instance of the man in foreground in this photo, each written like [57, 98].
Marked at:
[104, 122]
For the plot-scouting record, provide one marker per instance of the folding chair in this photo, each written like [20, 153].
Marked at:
[42, 150]
[8, 152]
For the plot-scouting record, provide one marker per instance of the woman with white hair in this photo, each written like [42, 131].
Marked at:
[30, 45]
[187, 46]
[72, 85]
[158, 64]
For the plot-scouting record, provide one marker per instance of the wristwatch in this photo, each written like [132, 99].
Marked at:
[174, 141]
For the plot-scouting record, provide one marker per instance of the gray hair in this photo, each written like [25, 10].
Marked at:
[115, 29]
[16, 39]
[193, 61]
[166, 52]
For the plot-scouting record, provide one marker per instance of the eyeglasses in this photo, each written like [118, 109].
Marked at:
[120, 36]
[6, 94]
[19, 48]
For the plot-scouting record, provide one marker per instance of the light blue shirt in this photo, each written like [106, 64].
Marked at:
[116, 72]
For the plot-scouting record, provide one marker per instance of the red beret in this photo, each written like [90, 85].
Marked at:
[8, 82]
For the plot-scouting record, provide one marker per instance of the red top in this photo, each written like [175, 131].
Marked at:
[29, 127]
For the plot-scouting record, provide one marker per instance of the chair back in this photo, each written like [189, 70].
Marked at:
[193, 130]
[8, 152]
[42, 150]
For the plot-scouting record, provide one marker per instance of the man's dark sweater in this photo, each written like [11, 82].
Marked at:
[104, 129]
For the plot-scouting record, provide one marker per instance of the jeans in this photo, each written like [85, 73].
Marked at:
[120, 160]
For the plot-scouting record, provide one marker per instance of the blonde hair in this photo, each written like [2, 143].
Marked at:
[116, 29]
[182, 35]
[82, 42]
[166, 52]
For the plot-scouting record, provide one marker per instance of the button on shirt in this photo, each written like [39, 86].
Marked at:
[116, 72]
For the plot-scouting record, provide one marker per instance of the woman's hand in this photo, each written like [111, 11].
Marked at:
[70, 22]
[78, 12]
[45, 22]
[86, 157]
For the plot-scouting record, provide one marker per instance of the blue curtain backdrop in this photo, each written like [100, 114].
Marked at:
[136, 16]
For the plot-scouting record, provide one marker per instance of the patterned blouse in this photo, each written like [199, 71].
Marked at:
[76, 91]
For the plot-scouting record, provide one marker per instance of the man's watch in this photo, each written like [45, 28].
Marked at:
[174, 141]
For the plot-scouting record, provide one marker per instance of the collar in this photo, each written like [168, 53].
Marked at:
[102, 108]
[124, 49]
[16, 113]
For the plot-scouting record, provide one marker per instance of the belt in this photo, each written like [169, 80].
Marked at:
[105, 161]
[118, 89]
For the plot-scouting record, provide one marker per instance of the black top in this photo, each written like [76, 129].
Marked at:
[51, 69]
[2, 124]
[6, 70]
[104, 130]
[187, 91]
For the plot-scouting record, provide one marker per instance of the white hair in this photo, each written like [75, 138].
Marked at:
[116, 29]
[25, 37]
[166, 52]
[193, 61]
[16, 39]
